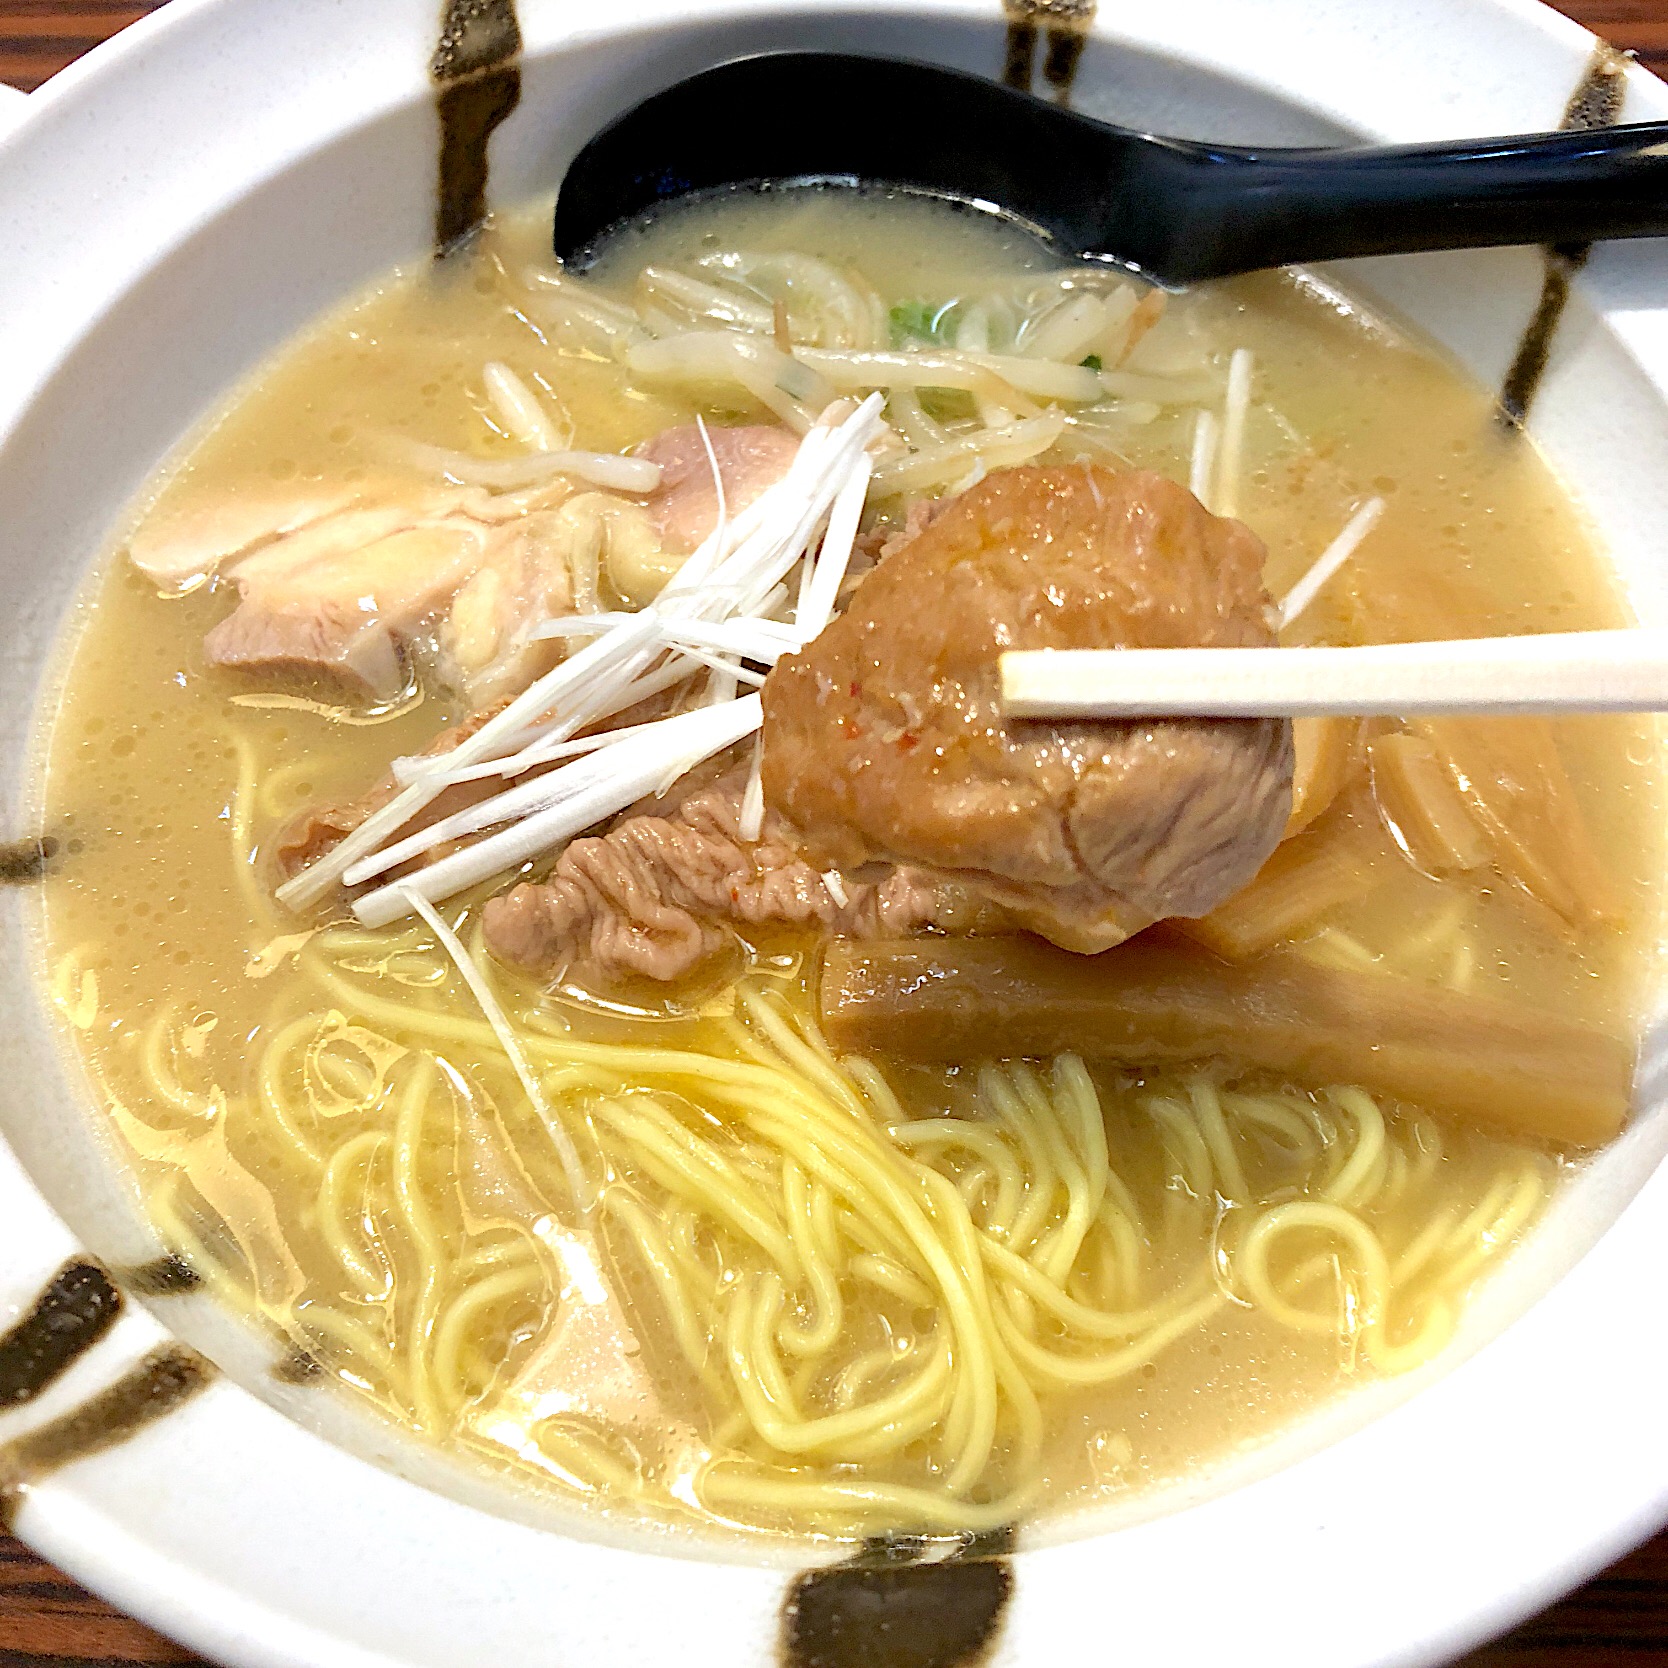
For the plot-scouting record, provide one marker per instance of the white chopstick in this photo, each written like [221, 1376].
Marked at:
[1578, 671]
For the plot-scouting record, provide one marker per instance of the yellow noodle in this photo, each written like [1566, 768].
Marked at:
[1363, 1166]
[1101, 1369]
[773, 1205]
[164, 1081]
[459, 1323]
[1187, 1146]
[1001, 1159]
[662, 1264]
[1252, 1262]
[1213, 1130]
[339, 1231]
[889, 1277]
[847, 1508]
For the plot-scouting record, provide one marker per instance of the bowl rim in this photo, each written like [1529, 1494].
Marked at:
[1510, 1535]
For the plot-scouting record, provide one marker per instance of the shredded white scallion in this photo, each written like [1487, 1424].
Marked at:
[634, 772]
[1202, 469]
[1331, 559]
[1236, 407]
[752, 801]
[721, 686]
[566, 1152]
[716, 613]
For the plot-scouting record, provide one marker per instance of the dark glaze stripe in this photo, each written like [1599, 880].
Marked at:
[901, 1602]
[1599, 96]
[1523, 380]
[168, 1377]
[1066, 23]
[1020, 54]
[68, 1318]
[477, 72]
[298, 1366]
[1065, 51]
[169, 1275]
[22, 861]
[1596, 102]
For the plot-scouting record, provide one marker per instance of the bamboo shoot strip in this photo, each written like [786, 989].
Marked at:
[1513, 781]
[1344, 855]
[1158, 999]
[1324, 749]
[1578, 671]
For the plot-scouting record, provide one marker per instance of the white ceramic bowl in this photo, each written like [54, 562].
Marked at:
[174, 207]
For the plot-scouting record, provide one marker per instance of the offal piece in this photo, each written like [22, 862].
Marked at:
[1161, 999]
[654, 897]
[885, 739]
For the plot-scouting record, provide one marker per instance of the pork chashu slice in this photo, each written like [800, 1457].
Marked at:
[885, 739]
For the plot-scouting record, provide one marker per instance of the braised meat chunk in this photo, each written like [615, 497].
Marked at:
[885, 739]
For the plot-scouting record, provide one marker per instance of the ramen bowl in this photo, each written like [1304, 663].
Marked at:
[179, 204]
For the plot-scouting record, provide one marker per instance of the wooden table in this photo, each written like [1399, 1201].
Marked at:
[1618, 1620]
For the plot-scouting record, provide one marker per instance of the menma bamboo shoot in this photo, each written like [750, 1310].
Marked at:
[1159, 999]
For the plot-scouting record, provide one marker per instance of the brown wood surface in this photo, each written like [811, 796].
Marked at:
[1618, 1620]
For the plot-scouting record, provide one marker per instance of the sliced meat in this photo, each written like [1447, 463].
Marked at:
[488, 648]
[685, 506]
[190, 537]
[341, 600]
[885, 739]
[176, 546]
[653, 897]
[337, 584]
[335, 600]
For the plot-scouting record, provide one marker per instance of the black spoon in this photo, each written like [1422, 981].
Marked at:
[1173, 210]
